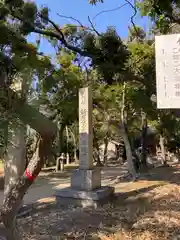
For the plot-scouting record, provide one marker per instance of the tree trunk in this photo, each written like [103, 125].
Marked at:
[15, 195]
[75, 157]
[62, 165]
[12, 232]
[99, 164]
[11, 101]
[124, 133]
[75, 146]
[129, 155]
[60, 142]
[143, 142]
[98, 160]
[67, 140]
[163, 150]
[106, 140]
[15, 158]
[26, 113]
[96, 152]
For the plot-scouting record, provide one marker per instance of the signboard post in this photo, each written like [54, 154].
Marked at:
[167, 49]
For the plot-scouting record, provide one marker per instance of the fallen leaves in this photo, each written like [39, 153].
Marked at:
[144, 210]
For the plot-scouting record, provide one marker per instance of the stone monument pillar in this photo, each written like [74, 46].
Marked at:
[86, 177]
[85, 128]
[85, 187]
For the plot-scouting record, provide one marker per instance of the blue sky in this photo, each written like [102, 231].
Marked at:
[80, 9]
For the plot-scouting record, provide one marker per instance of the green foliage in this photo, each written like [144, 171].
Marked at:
[95, 1]
[162, 13]
[107, 51]
[110, 62]
[136, 34]
[44, 12]
[109, 105]
[69, 30]
[142, 63]
[63, 88]
[109, 54]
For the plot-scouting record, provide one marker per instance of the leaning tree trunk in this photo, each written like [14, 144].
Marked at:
[128, 148]
[11, 101]
[124, 133]
[15, 195]
[15, 158]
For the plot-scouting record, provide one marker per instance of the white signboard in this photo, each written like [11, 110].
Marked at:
[168, 71]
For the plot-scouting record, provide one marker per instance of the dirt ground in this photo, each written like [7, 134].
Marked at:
[146, 209]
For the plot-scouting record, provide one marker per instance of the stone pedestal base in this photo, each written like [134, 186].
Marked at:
[88, 180]
[94, 198]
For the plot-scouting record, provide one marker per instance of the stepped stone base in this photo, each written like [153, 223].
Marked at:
[93, 198]
[88, 180]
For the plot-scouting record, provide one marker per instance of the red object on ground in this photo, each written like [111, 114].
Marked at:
[29, 175]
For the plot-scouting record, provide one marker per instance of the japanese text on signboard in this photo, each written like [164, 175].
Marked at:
[176, 69]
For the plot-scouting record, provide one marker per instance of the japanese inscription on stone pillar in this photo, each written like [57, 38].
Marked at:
[85, 128]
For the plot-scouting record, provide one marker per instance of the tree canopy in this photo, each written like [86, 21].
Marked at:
[120, 71]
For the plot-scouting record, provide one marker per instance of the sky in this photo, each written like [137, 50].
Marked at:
[81, 9]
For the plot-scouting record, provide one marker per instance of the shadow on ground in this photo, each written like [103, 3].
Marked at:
[146, 209]
[169, 174]
[151, 212]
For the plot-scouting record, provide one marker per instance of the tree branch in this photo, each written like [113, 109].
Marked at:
[110, 10]
[168, 14]
[132, 17]
[29, 115]
[72, 18]
[93, 27]
[172, 18]
[62, 40]
[58, 35]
